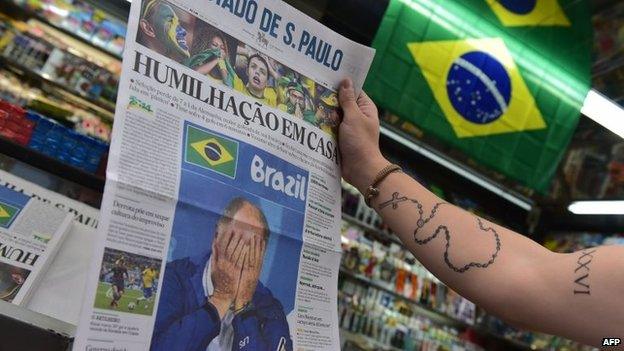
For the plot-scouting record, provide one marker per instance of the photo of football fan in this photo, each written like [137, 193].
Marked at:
[173, 32]
[11, 280]
[161, 30]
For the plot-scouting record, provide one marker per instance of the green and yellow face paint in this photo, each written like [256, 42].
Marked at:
[166, 24]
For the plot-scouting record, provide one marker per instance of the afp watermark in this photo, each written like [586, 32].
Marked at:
[611, 341]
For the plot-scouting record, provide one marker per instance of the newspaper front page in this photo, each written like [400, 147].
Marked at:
[220, 223]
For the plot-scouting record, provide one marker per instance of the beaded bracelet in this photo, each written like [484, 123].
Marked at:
[372, 189]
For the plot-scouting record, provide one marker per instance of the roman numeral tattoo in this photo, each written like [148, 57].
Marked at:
[581, 283]
[397, 199]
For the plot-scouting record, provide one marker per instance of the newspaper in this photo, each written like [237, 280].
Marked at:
[63, 283]
[30, 235]
[220, 223]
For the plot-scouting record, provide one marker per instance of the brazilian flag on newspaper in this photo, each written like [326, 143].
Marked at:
[501, 80]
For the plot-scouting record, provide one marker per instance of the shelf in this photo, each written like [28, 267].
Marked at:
[421, 309]
[360, 339]
[32, 75]
[31, 14]
[51, 165]
[369, 228]
[433, 314]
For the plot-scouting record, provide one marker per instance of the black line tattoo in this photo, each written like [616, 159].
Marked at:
[421, 222]
[582, 273]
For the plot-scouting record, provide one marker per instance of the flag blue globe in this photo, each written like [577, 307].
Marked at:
[478, 87]
[213, 151]
[520, 7]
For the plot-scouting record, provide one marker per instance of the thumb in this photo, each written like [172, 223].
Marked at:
[346, 97]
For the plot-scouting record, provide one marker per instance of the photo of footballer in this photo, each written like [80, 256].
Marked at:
[127, 282]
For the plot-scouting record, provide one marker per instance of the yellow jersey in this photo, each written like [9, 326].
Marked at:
[148, 277]
[270, 95]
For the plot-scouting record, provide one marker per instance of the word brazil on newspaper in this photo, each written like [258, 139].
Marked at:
[220, 223]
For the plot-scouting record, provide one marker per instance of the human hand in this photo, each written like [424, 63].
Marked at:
[251, 272]
[358, 137]
[298, 111]
[227, 260]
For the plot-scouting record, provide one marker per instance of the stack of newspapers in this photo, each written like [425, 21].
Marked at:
[31, 233]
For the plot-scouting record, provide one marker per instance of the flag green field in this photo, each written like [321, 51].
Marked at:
[211, 151]
[502, 81]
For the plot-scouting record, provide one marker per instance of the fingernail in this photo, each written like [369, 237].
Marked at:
[346, 83]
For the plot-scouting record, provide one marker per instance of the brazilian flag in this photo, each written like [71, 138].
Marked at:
[8, 213]
[503, 81]
[529, 12]
[211, 151]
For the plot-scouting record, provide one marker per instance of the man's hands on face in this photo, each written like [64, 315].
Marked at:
[251, 272]
[227, 261]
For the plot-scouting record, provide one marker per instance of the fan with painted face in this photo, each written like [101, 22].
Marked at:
[160, 30]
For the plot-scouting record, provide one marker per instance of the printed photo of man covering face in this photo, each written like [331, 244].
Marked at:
[160, 30]
[217, 302]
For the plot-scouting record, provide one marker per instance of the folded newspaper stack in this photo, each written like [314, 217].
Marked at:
[31, 233]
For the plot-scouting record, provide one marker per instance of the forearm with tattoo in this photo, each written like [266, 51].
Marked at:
[397, 200]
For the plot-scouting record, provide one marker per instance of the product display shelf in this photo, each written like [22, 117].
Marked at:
[421, 309]
[424, 310]
[27, 73]
[51, 165]
[369, 228]
[30, 14]
[361, 339]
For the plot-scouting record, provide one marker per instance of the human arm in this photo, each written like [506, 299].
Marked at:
[206, 67]
[575, 295]
[273, 68]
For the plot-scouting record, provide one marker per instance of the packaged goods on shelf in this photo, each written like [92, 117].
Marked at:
[76, 74]
[30, 52]
[85, 20]
[28, 128]
[55, 140]
[14, 91]
[389, 321]
[14, 125]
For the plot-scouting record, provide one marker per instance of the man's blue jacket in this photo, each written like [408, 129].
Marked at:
[185, 321]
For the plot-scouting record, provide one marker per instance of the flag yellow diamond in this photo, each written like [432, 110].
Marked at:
[478, 87]
[4, 213]
[516, 13]
[212, 151]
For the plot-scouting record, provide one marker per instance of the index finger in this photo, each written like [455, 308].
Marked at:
[222, 241]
